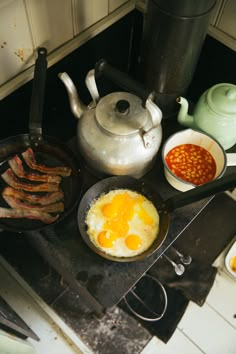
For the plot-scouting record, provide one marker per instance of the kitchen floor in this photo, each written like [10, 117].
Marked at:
[210, 329]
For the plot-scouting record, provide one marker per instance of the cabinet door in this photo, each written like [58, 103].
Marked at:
[51, 22]
[88, 12]
[114, 4]
[227, 22]
[16, 47]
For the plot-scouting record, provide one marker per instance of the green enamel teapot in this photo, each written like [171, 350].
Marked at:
[214, 113]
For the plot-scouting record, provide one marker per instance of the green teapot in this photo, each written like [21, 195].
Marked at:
[214, 113]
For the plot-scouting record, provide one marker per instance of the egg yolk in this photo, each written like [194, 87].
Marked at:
[129, 208]
[133, 242]
[106, 239]
[121, 205]
[144, 216]
[109, 210]
[118, 214]
[117, 226]
[233, 263]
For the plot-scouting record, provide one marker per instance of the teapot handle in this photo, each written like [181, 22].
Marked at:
[121, 79]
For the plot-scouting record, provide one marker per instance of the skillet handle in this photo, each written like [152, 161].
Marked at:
[206, 190]
[37, 97]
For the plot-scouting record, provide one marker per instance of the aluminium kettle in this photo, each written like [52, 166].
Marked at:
[120, 133]
[214, 113]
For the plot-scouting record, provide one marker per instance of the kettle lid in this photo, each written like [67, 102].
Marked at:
[222, 99]
[121, 113]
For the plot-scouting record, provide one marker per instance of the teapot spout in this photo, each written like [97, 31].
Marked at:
[77, 107]
[183, 117]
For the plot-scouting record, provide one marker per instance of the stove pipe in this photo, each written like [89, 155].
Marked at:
[173, 35]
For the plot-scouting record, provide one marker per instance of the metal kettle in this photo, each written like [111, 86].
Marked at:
[120, 133]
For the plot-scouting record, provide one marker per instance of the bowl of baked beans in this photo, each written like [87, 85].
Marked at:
[192, 158]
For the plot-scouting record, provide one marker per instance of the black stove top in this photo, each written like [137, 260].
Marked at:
[100, 282]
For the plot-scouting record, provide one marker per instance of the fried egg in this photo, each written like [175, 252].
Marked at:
[122, 223]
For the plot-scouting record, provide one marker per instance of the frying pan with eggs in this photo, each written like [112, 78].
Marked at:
[127, 184]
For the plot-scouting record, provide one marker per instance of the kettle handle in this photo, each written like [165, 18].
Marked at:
[92, 86]
[122, 79]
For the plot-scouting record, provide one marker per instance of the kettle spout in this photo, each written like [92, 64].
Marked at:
[183, 117]
[77, 107]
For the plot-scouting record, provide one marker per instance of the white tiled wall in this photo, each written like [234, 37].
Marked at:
[89, 12]
[223, 25]
[113, 4]
[16, 47]
[54, 24]
[50, 22]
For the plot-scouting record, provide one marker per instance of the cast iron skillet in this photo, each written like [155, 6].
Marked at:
[164, 207]
[47, 150]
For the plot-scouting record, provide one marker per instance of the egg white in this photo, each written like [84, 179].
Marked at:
[147, 233]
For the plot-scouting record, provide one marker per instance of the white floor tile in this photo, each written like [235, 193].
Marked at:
[152, 347]
[209, 330]
[178, 344]
[222, 298]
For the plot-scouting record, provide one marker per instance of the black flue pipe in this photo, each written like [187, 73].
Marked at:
[173, 35]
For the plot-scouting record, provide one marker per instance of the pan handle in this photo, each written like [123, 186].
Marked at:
[37, 97]
[206, 190]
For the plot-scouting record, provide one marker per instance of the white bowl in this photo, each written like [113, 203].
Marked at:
[228, 259]
[190, 136]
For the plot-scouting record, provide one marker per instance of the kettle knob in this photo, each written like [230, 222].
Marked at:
[122, 106]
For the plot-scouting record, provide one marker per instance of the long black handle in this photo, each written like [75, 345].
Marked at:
[121, 79]
[38, 92]
[206, 190]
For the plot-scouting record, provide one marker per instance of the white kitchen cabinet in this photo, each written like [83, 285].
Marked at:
[87, 13]
[51, 22]
[16, 48]
[114, 4]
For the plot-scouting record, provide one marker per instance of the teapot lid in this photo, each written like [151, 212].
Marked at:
[222, 99]
[121, 113]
